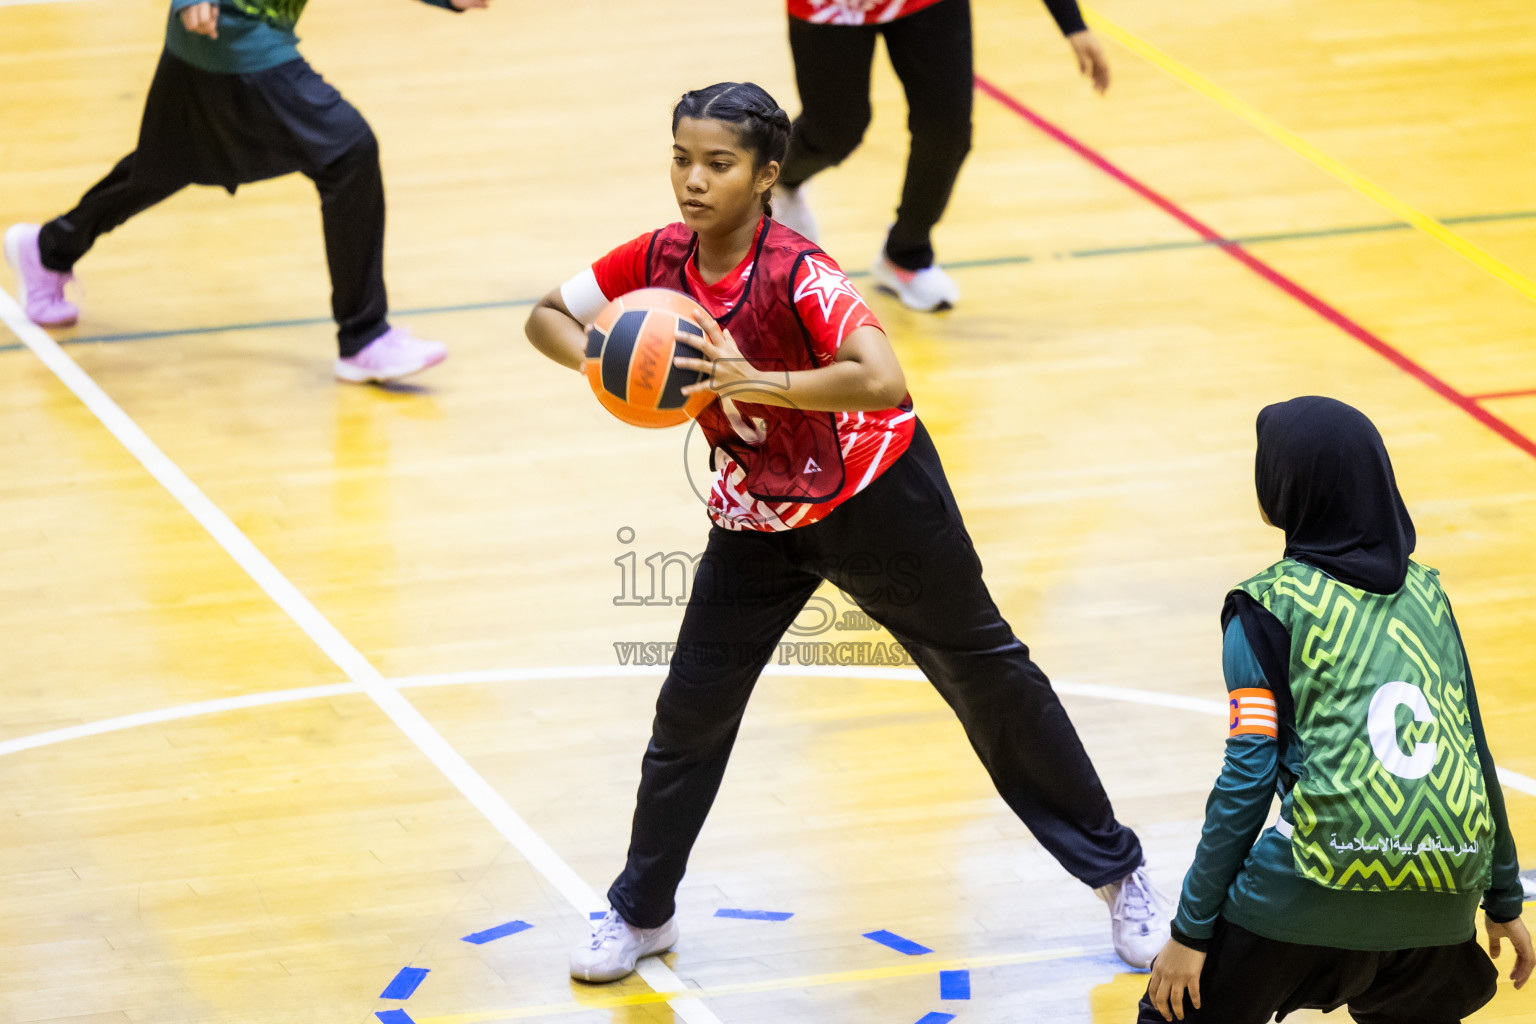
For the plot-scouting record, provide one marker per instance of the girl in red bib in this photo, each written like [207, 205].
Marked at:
[824, 473]
[928, 42]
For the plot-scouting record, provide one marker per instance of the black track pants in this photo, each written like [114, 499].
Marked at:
[931, 53]
[900, 550]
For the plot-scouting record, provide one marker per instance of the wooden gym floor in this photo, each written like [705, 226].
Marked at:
[305, 682]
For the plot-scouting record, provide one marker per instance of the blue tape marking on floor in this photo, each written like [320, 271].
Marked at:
[405, 983]
[754, 915]
[401, 1017]
[937, 1018]
[897, 943]
[954, 984]
[510, 928]
[597, 915]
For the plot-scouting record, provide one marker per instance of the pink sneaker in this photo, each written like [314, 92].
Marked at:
[42, 290]
[394, 354]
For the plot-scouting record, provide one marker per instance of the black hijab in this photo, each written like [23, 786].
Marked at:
[1324, 477]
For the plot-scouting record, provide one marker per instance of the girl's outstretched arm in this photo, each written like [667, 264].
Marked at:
[555, 332]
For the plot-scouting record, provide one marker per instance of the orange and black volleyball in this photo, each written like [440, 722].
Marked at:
[630, 349]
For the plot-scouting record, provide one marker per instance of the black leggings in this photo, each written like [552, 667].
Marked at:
[1249, 978]
[900, 550]
[229, 130]
[931, 53]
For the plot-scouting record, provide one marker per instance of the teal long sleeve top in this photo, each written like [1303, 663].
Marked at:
[248, 41]
[1244, 871]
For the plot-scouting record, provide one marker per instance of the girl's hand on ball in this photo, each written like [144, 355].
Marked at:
[724, 368]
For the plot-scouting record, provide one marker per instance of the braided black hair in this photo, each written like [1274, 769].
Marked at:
[760, 123]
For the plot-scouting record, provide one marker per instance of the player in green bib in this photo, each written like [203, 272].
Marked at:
[231, 103]
[1350, 695]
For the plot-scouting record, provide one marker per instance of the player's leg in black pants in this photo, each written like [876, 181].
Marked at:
[832, 64]
[156, 170]
[745, 595]
[334, 147]
[931, 54]
[352, 214]
[908, 525]
[125, 191]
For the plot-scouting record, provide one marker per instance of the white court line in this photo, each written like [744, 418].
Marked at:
[1514, 780]
[550, 673]
[205, 707]
[349, 659]
[543, 674]
[1152, 698]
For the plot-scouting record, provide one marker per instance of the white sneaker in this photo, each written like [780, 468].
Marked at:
[791, 210]
[926, 290]
[616, 945]
[1138, 917]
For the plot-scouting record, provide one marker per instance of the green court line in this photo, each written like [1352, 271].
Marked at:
[1294, 236]
[997, 261]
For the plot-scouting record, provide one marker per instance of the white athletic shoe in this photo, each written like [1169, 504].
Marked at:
[614, 947]
[1138, 917]
[926, 290]
[791, 210]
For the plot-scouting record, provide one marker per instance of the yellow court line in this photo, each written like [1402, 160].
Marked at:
[906, 970]
[1295, 143]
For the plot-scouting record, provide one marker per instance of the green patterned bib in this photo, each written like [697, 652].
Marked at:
[1391, 797]
[283, 14]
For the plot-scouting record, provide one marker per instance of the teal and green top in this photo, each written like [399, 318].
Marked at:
[1392, 825]
[254, 35]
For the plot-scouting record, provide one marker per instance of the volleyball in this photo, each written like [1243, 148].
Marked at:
[630, 349]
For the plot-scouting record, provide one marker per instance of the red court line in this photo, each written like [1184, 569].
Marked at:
[1466, 403]
[1504, 394]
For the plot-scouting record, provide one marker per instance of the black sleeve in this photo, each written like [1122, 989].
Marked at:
[1266, 635]
[1271, 645]
[1068, 17]
[1198, 945]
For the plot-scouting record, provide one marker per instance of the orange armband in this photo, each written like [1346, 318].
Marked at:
[1252, 712]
